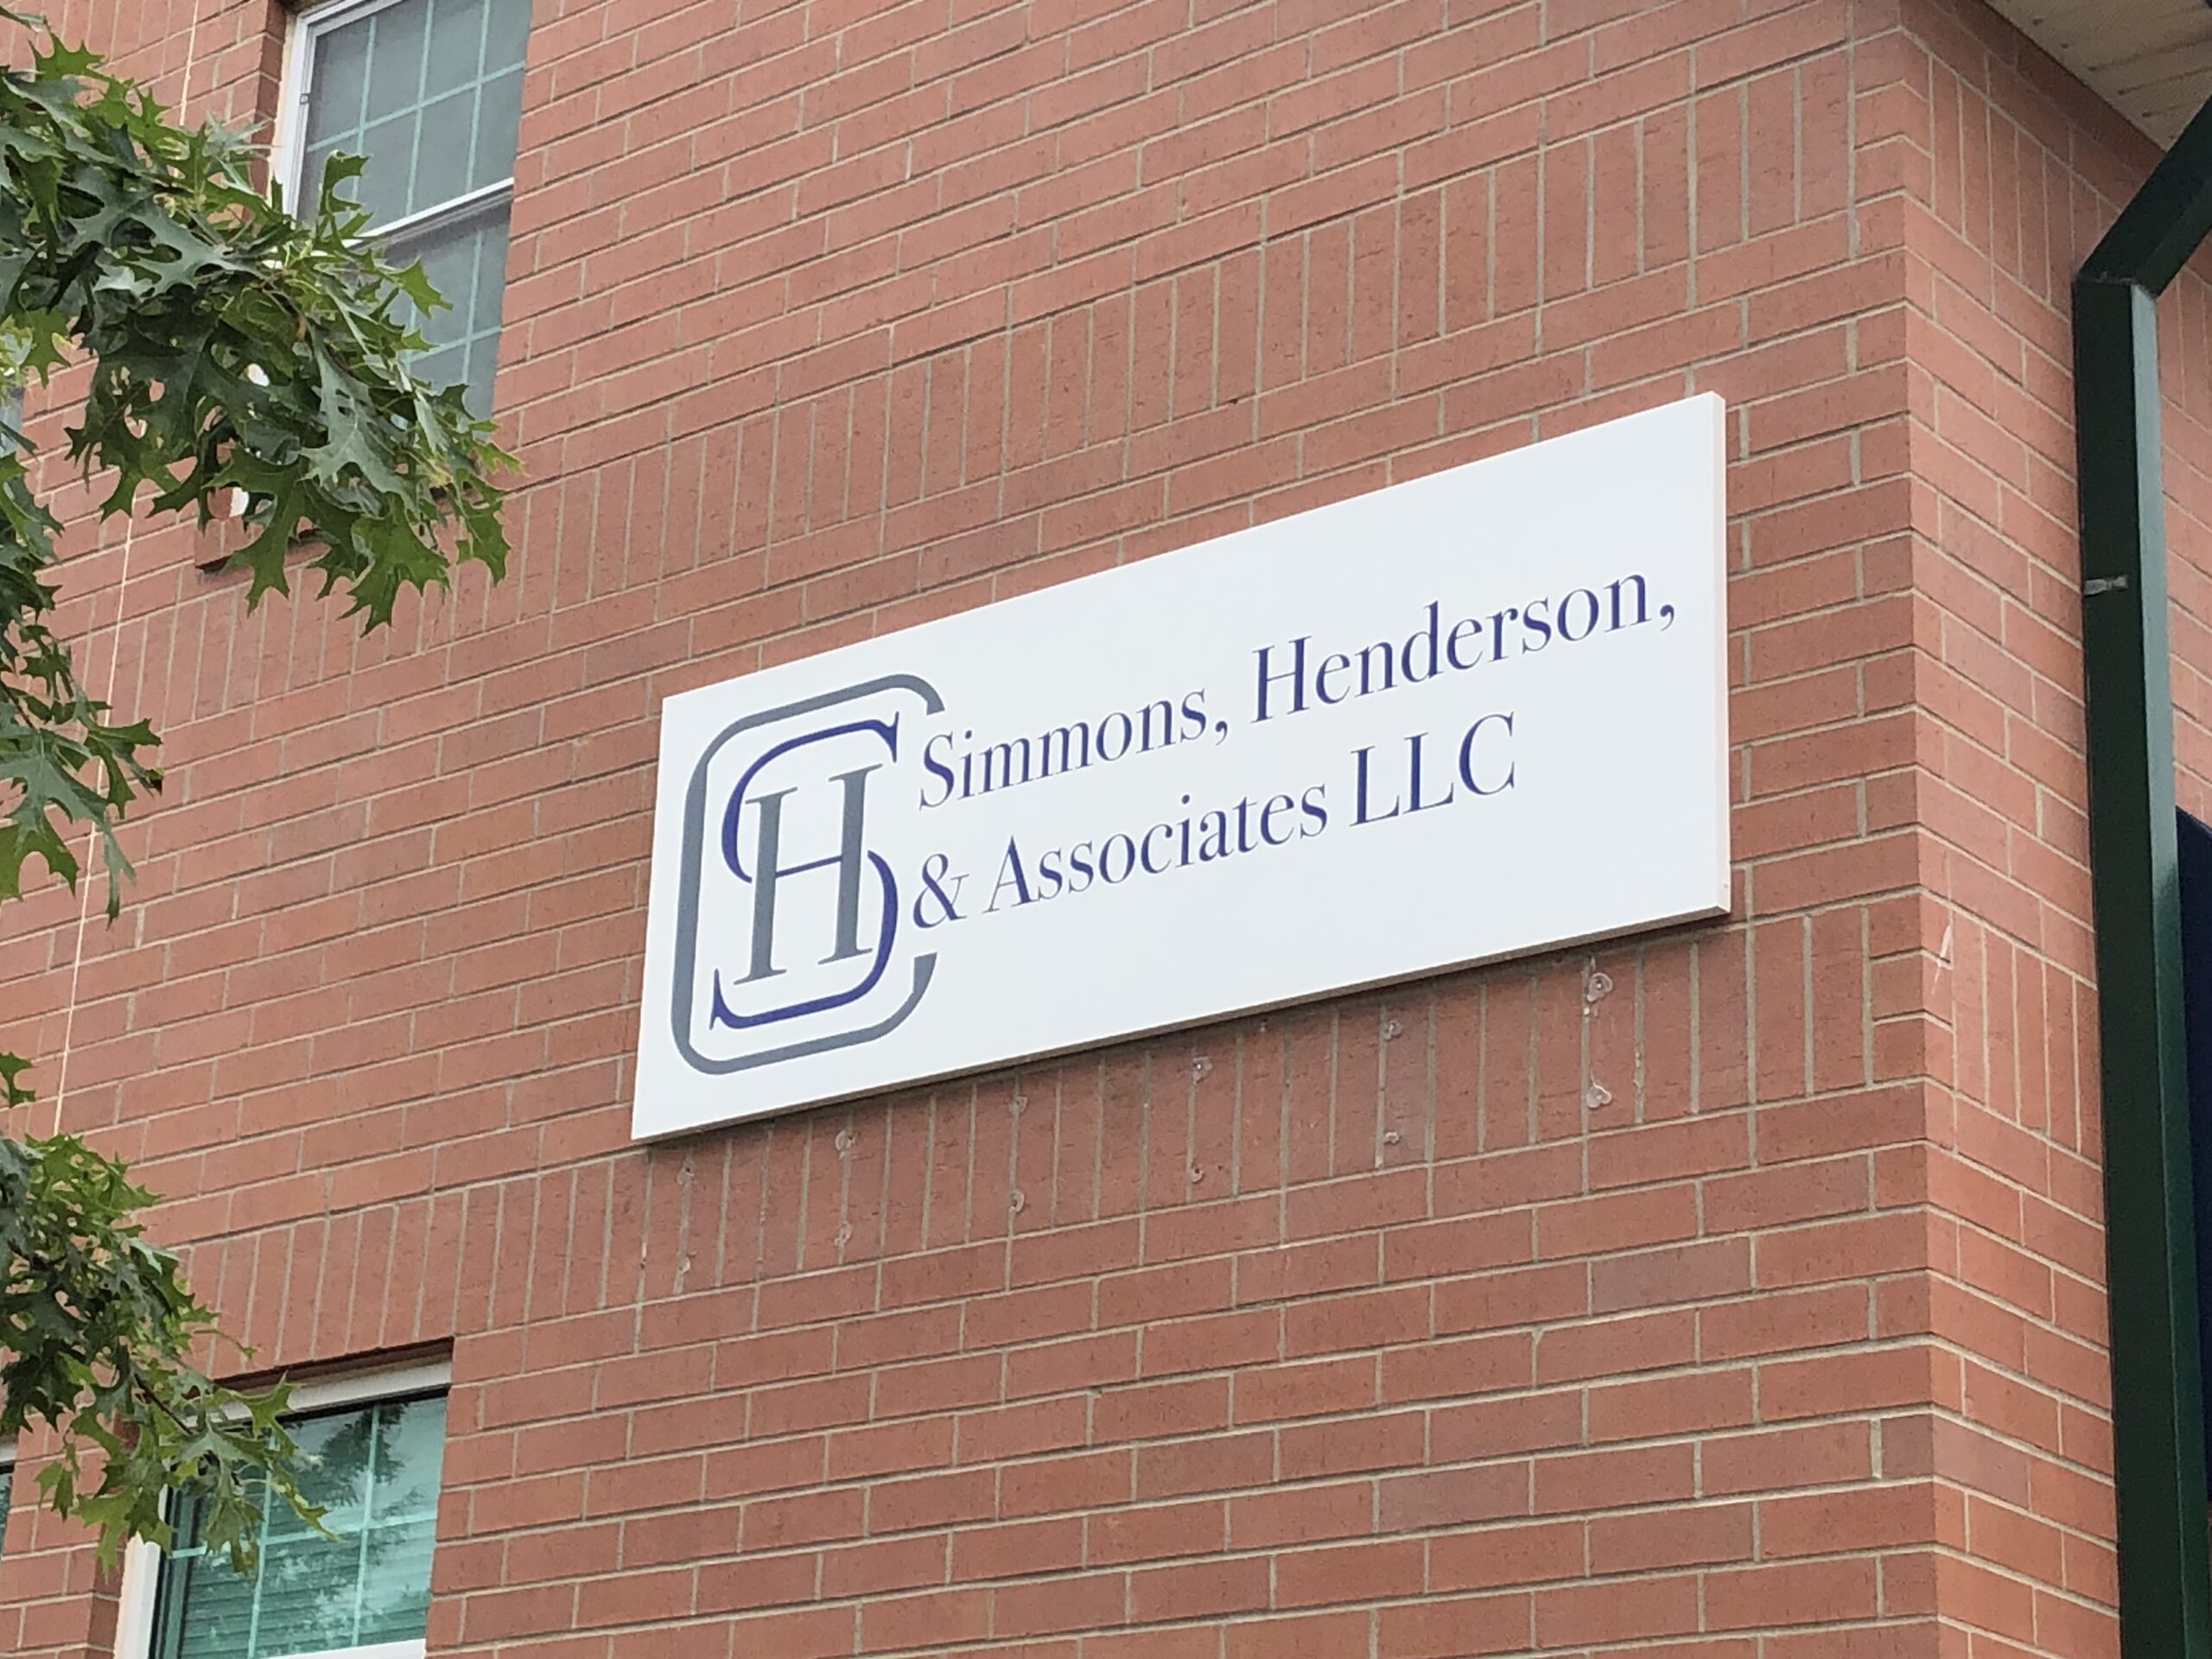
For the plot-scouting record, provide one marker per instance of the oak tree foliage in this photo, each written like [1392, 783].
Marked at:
[232, 352]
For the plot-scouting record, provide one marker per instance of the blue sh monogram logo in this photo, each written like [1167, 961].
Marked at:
[790, 939]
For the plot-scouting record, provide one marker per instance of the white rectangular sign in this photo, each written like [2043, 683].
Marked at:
[1477, 714]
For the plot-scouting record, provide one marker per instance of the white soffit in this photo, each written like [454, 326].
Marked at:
[2151, 60]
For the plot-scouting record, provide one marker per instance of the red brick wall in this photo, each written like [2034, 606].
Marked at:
[1745, 1300]
[2016, 172]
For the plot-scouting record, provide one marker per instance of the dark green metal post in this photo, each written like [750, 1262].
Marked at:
[2165, 1591]
[2149, 1225]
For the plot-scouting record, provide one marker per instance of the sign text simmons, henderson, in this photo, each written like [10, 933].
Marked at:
[1290, 679]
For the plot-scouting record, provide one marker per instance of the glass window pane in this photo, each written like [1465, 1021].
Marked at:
[304, 1595]
[456, 46]
[410, 1454]
[390, 146]
[505, 31]
[484, 330]
[499, 119]
[448, 257]
[340, 76]
[466, 259]
[395, 1579]
[206, 1608]
[336, 1450]
[491, 281]
[441, 151]
[7, 1492]
[483, 364]
[395, 59]
[311, 175]
[445, 366]
[377, 1469]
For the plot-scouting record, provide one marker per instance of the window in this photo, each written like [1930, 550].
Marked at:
[7, 1488]
[374, 1448]
[430, 93]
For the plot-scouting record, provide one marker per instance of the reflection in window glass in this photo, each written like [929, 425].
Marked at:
[375, 1470]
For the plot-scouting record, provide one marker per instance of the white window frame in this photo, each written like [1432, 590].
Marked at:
[7, 1460]
[142, 1561]
[288, 151]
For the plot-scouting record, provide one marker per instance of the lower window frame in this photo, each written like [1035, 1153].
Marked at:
[142, 1561]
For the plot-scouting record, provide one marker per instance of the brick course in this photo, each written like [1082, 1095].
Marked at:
[1734, 1292]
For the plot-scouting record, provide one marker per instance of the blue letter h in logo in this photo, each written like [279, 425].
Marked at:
[769, 873]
